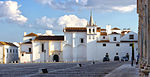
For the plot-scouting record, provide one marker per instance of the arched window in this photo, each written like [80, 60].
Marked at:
[93, 30]
[89, 30]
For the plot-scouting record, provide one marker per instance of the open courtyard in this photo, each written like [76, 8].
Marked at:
[88, 69]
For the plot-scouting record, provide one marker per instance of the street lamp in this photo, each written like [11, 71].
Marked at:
[132, 58]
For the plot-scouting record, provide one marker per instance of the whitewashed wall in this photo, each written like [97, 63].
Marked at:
[27, 58]
[11, 56]
[1, 54]
[112, 49]
[25, 47]
[72, 49]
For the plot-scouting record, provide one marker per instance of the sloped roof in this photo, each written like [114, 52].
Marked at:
[29, 42]
[103, 29]
[75, 29]
[103, 41]
[114, 33]
[7, 43]
[103, 33]
[30, 34]
[115, 29]
[53, 38]
[98, 29]
[123, 32]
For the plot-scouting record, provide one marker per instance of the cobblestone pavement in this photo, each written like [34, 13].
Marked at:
[99, 69]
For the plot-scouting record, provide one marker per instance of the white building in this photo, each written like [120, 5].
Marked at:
[42, 48]
[92, 43]
[9, 53]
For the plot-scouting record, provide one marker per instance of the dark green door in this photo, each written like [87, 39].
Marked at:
[56, 58]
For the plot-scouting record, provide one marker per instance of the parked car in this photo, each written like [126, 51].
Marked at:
[105, 59]
[124, 59]
[116, 58]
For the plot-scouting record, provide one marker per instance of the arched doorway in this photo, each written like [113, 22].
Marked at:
[56, 58]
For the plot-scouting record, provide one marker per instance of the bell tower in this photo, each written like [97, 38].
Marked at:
[91, 39]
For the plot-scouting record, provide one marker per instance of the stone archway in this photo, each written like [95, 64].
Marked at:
[56, 58]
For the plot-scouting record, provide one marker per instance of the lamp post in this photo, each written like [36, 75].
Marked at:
[132, 59]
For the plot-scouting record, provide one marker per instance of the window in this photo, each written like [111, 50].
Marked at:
[13, 50]
[22, 54]
[130, 44]
[89, 37]
[10, 51]
[29, 49]
[89, 30]
[7, 51]
[93, 37]
[115, 39]
[82, 40]
[93, 30]
[103, 37]
[104, 45]
[131, 36]
[42, 47]
[117, 44]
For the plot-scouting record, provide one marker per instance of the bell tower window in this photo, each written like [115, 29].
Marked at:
[89, 30]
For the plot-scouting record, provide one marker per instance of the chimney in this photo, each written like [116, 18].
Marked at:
[25, 33]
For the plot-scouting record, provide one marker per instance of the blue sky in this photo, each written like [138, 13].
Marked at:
[40, 15]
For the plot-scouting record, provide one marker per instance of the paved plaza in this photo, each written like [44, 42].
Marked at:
[99, 69]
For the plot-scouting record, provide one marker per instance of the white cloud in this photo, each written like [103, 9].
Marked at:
[72, 21]
[59, 23]
[125, 8]
[9, 11]
[101, 5]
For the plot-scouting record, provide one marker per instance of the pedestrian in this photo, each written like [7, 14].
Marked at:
[127, 55]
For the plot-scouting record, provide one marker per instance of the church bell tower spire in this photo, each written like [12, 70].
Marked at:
[91, 22]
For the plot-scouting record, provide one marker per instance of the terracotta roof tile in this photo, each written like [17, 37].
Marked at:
[103, 33]
[98, 29]
[7, 43]
[75, 29]
[103, 29]
[114, 33]
[103, 41]
[53, 38]
[30, 34]
[115, 29]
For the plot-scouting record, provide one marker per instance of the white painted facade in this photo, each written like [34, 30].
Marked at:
[92, 48]
[9, 53]
[51, 47]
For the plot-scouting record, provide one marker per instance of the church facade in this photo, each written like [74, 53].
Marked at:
[91, 43]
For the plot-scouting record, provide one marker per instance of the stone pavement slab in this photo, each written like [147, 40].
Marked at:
[125, 70]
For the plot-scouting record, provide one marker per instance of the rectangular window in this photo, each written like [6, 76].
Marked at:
[13, 50]
[82, 40]
[29, 49]
[7, 51]
[93, 37]
[131, 36]
[10, 51]
[89, 37]
[115, 39]
[104, 45]
[42, 47]
[117, 45]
